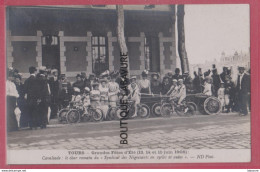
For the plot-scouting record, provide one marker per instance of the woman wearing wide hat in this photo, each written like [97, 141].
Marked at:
[11, 97]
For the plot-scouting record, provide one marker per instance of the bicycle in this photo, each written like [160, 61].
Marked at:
[80, 113]
[169, 107]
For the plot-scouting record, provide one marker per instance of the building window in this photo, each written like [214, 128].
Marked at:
[99, 54]
[147, 53]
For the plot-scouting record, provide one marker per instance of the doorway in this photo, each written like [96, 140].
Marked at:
[51, 52]
[152, 54]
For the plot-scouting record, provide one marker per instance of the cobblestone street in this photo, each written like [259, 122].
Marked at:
[223, 131]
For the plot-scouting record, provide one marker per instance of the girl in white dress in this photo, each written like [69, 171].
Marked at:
[113, 90]
[145, 87]
[103, 88]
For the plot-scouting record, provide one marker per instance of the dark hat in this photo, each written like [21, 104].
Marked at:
[241, 68]
[32, 69]
[83, 74]
[95, 84]
[177, 70]
[155, 74]
[63, 75]
[145, 73]
[78, 75]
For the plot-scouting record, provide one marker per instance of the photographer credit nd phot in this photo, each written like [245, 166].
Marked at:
[170, 78]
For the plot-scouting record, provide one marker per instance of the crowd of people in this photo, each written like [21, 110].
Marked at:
[46, 91]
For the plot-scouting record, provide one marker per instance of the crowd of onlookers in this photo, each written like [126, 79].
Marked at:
[46, 91]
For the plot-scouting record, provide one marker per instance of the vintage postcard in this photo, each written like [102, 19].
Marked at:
[119, 84]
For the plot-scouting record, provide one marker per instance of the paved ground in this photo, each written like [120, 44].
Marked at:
[223, 131]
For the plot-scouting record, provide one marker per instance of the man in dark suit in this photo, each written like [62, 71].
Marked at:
[54, 88]
[243, 88]
[31, 100]
[43, 96]
[216, 81]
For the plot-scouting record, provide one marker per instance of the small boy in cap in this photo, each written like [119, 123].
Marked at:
[76, 97]
[86, 97]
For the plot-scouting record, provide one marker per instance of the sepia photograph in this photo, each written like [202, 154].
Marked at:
[98, 84]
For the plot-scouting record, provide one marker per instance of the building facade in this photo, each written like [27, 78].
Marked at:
[85, 39]
[230, 61]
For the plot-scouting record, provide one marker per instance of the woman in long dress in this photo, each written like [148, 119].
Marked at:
[24, 120]
[145, 88]
[11, 96]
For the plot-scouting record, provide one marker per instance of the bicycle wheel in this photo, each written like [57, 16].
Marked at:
[97, 114]
[212, 105]
[195, 107]
[156, 109]
[131, 111]
[73, 116]
[185, 110]
[190, 110]
[62, 114]
[167, 110]
[117, 114]
[143, 111]
[111, 114]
